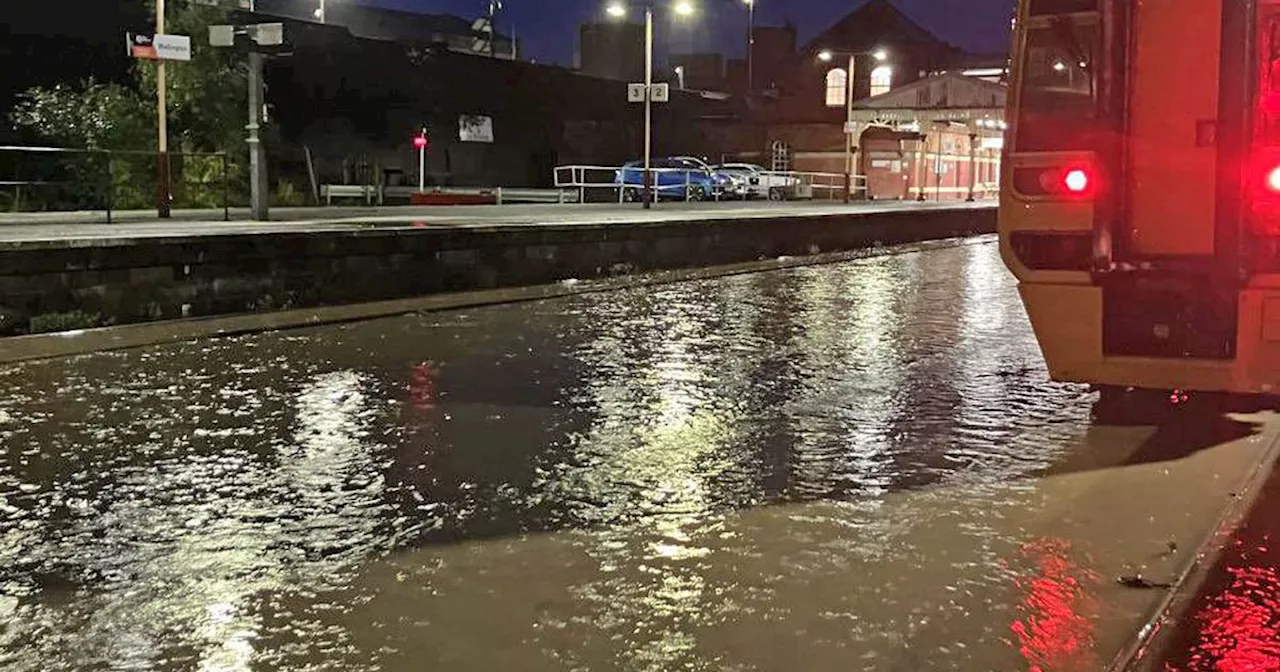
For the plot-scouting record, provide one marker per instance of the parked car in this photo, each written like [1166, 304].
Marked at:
[762, 183]
[680, 178]
[726, 185]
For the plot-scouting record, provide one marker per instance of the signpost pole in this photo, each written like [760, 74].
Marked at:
[421, 143]
[162, 157]
[648, 107]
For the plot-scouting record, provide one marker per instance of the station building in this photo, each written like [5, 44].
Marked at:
[927, 120]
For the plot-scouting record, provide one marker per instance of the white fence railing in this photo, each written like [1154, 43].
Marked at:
[373, 195]
[766, 184]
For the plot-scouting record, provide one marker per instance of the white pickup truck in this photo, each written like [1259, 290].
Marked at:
[762, 182]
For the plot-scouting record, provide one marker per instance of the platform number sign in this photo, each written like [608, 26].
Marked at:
[659, 93]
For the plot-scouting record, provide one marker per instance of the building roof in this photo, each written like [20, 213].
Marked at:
[862, 28]
[948, 91]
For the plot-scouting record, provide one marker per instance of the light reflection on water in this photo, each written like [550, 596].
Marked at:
[696, 458]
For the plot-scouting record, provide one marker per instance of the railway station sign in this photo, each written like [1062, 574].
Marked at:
[159, 47]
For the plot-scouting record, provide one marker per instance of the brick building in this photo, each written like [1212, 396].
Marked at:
[923, 128]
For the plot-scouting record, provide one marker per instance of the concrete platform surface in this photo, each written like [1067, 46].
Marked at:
[18, 228]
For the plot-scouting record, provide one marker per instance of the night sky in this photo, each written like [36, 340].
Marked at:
[547, 29]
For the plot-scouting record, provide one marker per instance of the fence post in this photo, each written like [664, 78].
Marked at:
[111, 181]
[226, 191]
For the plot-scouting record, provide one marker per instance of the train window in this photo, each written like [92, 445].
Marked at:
[1058, 105]
[1268, 126]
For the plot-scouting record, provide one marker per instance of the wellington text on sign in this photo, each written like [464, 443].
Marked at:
[159, 47]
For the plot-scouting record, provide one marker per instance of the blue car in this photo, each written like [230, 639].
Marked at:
[678, 178]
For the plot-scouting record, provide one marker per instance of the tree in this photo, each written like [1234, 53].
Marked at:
[207, 95]
[91, 115]
[207, 98]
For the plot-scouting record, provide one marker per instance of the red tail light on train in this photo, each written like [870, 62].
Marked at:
[1070, 182]
[1077, 181]
[1264, 173]
[1264, 193]
[1273, 180]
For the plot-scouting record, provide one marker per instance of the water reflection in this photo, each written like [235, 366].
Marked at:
[1055, 629]
[768, 454]
[1240, 630]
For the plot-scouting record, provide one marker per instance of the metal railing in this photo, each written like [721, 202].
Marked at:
[35, 179]
[611, 179]
[374, 195]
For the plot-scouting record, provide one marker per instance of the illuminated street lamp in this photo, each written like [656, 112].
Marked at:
[617, 10]
[826, 56]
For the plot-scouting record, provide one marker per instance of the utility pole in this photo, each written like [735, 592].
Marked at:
[260, 38]
[162, 115]
[257, 159]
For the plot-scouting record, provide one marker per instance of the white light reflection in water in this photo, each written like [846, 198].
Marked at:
[993, 383]
[851, 390]
[195, 527]
[652, 455]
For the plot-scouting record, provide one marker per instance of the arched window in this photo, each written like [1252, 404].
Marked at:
[781, 156]
[837, 81]
[881, 80]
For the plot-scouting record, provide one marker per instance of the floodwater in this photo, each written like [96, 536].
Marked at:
[858, 466]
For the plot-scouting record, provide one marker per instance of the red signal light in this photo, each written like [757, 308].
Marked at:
[1077, 181]
[420, 141]
[1273, 180]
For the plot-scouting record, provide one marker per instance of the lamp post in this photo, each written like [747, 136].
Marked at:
[826, 56]
[618, 10]
[751, 45]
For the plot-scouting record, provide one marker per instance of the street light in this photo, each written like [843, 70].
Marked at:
[751, 44]
[619, 10]
[826, 56]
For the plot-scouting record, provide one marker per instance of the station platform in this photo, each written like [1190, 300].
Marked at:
[35, 230]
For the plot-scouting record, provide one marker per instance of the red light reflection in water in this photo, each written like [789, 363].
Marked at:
[422, 387]
[1240, 627]
[1055, 629]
